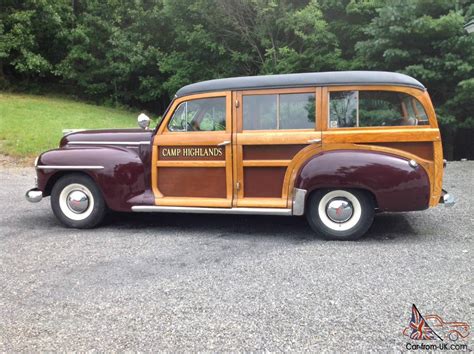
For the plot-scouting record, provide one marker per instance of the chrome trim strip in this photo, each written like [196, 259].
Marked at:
[99, 129]
[134, 143]
[70, 131]
[299, 197]
[314, 141]
[199, 210]
[58, 167]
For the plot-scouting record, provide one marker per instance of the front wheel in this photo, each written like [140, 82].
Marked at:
[77, 201]
[340, 214]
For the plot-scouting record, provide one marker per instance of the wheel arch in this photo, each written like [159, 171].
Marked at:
[59, 174]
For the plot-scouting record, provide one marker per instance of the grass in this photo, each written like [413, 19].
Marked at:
[32, 124]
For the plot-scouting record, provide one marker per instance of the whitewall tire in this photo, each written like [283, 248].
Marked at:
[340, 214]
[77, 201]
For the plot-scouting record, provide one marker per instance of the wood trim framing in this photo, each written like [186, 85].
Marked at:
[190, 138]
[265, 163]
[332, 139]
[190, 163]
[262, 202]
[438, 171]
[368, 135]
[193, 202]
[296, 137]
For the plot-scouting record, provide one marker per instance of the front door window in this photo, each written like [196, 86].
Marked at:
[207, 114]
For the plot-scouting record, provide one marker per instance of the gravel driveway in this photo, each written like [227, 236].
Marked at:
[205, 282]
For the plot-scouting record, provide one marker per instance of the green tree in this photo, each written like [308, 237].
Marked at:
[281, 36]
[114, 52]
[198, 47]
[425, 39]
[347, 20]
[33, 35]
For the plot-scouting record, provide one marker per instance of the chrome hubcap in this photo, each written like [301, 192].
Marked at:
[77, 201]
[339, 210]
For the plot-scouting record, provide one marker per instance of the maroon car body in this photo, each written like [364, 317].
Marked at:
[124, 154]
[395, 185]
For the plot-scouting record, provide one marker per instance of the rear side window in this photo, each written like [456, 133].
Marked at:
[279, 111]
[374, 109]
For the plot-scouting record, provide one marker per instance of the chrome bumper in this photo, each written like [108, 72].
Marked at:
[34, 195]
[447, 199]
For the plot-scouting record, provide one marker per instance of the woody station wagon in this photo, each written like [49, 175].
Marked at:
[336, 147]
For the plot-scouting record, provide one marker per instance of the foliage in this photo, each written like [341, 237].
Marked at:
[32, 124]
[425, 39]
[138, 53]
[33, 36]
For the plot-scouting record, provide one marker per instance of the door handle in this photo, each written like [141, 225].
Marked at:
[224, 143]
[314, 141]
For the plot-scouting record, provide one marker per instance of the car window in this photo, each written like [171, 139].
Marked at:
[434, 321]
[374, 109]
[343, 109]
[207, 114]
[420, 113]
[279, 111]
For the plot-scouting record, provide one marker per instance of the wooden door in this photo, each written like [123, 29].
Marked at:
[192, 153]
[270, 129]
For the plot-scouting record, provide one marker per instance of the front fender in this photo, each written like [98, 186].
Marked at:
[395, 184]
[122, 177]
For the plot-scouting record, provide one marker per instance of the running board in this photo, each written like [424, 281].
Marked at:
[176, 209]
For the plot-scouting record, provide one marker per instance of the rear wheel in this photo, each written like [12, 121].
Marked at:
[77, 201]
[453, 335]
[340, 214]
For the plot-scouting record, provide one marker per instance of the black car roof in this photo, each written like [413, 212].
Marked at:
[330, 78]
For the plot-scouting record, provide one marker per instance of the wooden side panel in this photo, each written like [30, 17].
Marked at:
[271, 152]
[201, 182]
[263, 182]
[422, 149]
[263, 169]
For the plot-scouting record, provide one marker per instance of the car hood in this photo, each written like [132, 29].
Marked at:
[107, 136]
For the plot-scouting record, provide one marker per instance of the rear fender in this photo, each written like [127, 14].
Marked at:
[395, 184]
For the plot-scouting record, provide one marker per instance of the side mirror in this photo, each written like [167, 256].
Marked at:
[143, 121]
